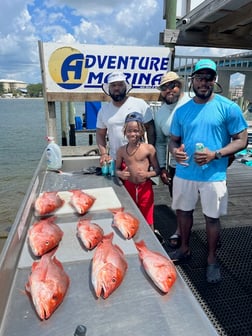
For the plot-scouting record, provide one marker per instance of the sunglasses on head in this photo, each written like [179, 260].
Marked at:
[206, 77]
[169, 86]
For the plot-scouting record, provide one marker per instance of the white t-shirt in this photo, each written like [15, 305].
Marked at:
[113, 118]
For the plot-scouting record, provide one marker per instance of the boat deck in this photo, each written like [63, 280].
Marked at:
[229, 303]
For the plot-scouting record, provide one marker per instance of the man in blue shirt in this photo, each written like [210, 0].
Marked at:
[218, 124]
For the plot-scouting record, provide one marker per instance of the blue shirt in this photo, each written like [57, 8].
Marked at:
[212, 124]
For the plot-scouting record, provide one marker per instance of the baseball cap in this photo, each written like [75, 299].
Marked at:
[116, 76]
[134, 116]
[169, 77]
[205, 64]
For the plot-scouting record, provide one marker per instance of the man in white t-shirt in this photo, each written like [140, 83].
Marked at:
[111, 117]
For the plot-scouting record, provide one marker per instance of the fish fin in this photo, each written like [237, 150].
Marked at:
[119, 249]
[28, 288]
[24, 292]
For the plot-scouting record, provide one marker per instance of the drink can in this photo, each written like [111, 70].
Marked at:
[105, 169]
[112, 167]
[199, 147]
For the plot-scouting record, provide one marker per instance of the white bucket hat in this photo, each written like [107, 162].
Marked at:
[113, 77]
[116, 76]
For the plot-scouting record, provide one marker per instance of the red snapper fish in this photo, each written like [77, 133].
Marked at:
[125, 222]
[109, 266]
[89, 233]
[81, 201]
[48, 202]
[47, 285]
[44, 235]
[160, 269]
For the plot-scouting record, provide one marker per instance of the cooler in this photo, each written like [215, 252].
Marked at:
[91, 110]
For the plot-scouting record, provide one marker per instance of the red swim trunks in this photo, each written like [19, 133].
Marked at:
[143, 196]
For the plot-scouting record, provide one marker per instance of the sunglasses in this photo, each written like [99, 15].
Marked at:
[206, 77]
[169, 86]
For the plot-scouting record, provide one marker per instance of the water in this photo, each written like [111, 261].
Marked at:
[23, 131]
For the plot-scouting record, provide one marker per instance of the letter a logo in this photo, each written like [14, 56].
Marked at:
[66, 67]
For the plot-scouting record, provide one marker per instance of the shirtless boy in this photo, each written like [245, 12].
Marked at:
[136, 163]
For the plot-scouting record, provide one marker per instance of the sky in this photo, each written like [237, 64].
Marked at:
[24, 22]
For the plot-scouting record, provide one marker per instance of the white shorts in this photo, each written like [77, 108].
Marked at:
[213, 196]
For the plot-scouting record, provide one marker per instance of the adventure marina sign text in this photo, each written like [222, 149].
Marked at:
[82, 67]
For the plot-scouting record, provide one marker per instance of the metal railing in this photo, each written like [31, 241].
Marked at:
[184, 65]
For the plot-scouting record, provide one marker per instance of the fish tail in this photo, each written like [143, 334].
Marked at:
[51, 219]
[140, 245]
[116, 210]
[51, 253]
[108, 236]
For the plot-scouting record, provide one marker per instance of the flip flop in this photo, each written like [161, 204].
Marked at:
[213, 273]
[159, 237]
[174, 241]
[178, 256]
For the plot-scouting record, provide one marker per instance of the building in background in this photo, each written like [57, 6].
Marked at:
[11, 87]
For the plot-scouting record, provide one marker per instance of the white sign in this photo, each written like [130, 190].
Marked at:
[84, 68]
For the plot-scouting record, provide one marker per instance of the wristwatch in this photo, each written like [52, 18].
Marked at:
[218, 155]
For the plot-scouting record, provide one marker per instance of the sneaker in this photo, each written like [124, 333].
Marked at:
[179, 256]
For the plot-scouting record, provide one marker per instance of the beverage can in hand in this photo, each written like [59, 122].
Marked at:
[112, 167]
[199, 147]
[105, 169]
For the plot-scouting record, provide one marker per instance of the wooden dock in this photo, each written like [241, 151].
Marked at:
[228, 304]
[239, 184]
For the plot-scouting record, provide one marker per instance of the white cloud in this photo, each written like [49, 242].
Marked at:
[24, 22]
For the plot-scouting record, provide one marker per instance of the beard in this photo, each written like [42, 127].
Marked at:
[171, 99]
[118, 96]
[205, 95]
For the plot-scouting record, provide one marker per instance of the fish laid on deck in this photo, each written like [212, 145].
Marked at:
[125, 222]
[89, 233]
[81, 201]
[159, 268]
[48, 202]
[109, 266]
[47, 285]
[44, 235]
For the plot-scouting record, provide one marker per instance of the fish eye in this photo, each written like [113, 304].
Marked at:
[55, 297]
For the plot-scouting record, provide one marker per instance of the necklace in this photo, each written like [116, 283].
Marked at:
[134, 151]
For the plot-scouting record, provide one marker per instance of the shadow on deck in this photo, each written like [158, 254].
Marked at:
[229, 303]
